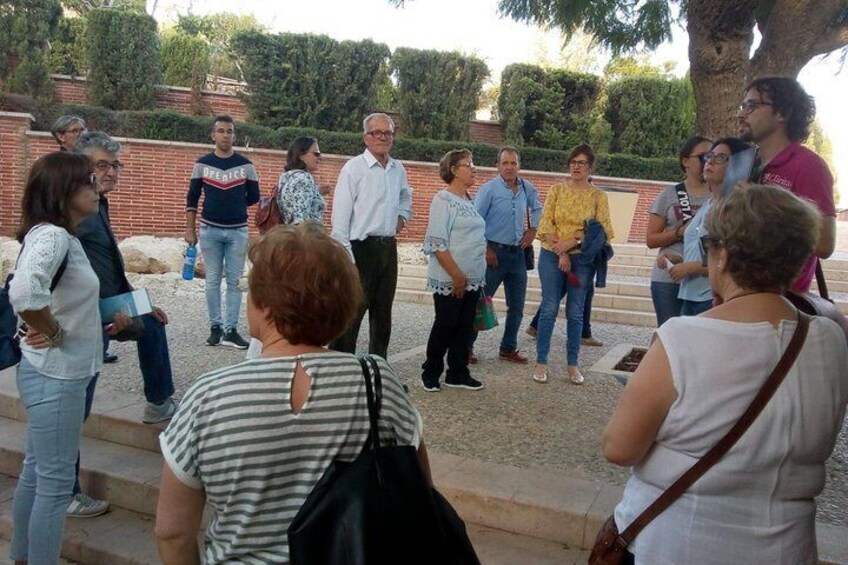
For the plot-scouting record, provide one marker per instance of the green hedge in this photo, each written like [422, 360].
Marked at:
[172, 126]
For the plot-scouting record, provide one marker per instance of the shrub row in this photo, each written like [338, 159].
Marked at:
[172, 126]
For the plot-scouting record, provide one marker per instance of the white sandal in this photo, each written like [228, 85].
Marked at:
[540, 378]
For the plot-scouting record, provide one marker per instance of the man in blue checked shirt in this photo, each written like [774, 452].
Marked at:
[510, 205]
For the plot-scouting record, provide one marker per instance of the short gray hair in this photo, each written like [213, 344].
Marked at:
[90, 141]
[376, 115]
[63, 123]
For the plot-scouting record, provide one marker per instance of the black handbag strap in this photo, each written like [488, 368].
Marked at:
[820, 280]
[718, 451]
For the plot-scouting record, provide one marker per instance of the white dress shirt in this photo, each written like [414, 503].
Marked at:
[369, 198]
[74, 302]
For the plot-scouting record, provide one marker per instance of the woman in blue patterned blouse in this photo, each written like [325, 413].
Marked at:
[298, 195]
[456, 244]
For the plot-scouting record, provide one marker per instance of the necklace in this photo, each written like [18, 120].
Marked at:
[266, 346]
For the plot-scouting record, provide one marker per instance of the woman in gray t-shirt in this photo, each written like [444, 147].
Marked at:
[668, 217]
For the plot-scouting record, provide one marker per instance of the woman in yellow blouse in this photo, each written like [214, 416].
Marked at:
[563, 267]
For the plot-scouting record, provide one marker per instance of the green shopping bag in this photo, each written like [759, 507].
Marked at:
[484, 318]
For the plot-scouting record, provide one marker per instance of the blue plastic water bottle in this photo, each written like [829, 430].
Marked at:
[190, 260]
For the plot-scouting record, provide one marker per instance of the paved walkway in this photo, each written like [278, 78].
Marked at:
[514, 420]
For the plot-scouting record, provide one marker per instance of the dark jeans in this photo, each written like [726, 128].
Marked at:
[692, 308]
[512, 272]
[155, 364]
[587, 311]
[666, 303]
[450, 333]
[376, 259]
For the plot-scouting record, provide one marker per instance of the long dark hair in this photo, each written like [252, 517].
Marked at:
[53, 181]
[298, 148]
[687, 148]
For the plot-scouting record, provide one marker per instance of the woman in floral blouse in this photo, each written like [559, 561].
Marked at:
[298, 195]
[456, 243]
[561, 263]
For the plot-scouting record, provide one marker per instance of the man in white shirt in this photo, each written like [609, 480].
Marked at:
[371, 205]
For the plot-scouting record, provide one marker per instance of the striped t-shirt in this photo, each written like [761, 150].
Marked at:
[236, 436]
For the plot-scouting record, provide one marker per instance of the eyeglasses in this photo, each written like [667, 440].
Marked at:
[316, 153]
[104, 166]
[718, 158]
[705, 243]
[469, 165]
[698, 156]
[580, 163]
[75, 130]
[750, 105]
[380, 134]
[91, 180]
[225, 131]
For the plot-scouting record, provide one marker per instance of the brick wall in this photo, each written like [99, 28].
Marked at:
[74, 90]
[150, 198]
[484, 131]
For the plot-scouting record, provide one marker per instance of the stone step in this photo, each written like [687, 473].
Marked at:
[600, 312]
[127, 477]
[510, 511]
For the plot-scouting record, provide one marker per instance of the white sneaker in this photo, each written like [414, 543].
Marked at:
[575, 376]
[84, 506]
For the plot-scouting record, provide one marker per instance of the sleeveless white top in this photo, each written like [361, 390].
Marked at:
[756, 504]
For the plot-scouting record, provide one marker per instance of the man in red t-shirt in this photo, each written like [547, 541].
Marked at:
[776, 114]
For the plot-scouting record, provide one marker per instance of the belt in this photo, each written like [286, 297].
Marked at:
[510, 248]
[381, 239]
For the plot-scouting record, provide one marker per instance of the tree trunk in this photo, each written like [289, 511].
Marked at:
[720, 38]
[721, 33]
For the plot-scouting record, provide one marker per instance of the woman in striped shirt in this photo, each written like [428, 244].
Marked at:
[253, 439]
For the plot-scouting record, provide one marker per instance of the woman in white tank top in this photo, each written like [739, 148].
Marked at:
[756, 505]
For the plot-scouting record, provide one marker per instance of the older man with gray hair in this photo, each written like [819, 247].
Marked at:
[371, 205]
[66, 131]
[100, 245]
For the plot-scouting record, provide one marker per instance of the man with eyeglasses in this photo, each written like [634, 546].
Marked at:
[776, 114]
[101, 247]
[229, 185]
[371, 205]
[67, 130]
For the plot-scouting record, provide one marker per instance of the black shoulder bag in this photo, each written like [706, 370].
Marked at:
[378, 509]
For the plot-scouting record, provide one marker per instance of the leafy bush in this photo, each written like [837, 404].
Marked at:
[310, 80]
[185, 59]
[437, 91]
[546, 108]
[25, 29]
[67, 50]
[122, 52]
[650, 116]
[172, 126]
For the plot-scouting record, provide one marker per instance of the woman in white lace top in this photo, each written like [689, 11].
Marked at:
[62, 348]
[298, 195]
[456, 243]
[757, 504]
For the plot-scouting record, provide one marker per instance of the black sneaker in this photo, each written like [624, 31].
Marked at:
[431, 385]
[233, 339]
[215, 336]
[469, 383]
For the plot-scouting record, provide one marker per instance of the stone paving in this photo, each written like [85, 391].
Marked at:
[515, 421]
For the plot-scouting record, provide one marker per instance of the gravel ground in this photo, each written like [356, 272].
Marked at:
[513, 420]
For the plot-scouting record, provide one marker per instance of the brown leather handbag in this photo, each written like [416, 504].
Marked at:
[611, 546]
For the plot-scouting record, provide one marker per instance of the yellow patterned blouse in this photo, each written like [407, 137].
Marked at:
[565, 210]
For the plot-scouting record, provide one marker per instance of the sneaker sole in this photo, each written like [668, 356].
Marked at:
[431, 388]
[465, 386]
[231, 344]
[156, 420]
[92, 515]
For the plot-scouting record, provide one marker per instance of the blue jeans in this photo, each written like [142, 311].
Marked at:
[54, 422]
[553, 282]
[512, 272]
[154, 360]
[224, 251]
[666, 303]
[587, 310]
[693, 308]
